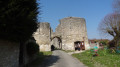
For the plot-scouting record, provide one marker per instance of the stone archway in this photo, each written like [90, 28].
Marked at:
[57, 42]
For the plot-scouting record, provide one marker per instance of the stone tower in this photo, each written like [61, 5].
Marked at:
[71, 30]
[42, 36]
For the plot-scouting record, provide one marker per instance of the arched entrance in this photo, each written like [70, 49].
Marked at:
[56, 42]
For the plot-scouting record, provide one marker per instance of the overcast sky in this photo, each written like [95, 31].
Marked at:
[92, 10]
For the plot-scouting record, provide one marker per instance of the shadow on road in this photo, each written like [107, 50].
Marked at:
[49, 61]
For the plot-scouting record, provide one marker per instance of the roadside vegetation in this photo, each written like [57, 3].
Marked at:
[106, 58]
[67, 51]
[41, 57]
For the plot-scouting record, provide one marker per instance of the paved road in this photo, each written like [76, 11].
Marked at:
[62, 59]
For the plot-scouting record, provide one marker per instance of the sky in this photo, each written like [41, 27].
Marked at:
[92, 10]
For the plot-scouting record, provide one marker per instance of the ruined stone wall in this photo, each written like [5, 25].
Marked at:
[58, 30]
[72, 29]
[42, 36]
[9, 54]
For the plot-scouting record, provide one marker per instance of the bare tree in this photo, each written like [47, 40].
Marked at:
[111, 25]
[116, 6]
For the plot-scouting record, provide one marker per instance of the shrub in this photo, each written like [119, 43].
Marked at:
[111, 44]
[103, 42]
[32, 48]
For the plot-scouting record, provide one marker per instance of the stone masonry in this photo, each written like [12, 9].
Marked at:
[9, 54]
[42, 36]
[70, 30]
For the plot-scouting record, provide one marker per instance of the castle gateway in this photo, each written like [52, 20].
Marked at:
[69, 35]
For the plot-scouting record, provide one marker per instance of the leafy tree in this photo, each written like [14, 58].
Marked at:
[18, 19]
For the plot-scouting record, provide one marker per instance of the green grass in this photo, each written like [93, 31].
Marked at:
[67, 51]
[46, 53]
[41, 57]
[105, 59]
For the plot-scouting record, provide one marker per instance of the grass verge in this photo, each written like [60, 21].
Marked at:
[67, 51]
[41, 57]
[105, 59]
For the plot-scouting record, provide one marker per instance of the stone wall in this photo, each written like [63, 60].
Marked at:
[9, 54]
[72, 29]
[42, 36]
